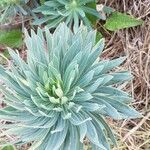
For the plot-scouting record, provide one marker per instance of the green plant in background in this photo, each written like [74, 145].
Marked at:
[74, 11]
[68, 11]
[120, 21]
[11, 38]
[5, 56]
[4, 3]
[42, 1]
[63, 93]
[8, 148]
[115, 20]
[10, 8]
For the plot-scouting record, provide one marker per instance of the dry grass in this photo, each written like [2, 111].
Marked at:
[135, 44]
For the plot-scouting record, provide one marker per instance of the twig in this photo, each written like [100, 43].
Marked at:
[136, 127]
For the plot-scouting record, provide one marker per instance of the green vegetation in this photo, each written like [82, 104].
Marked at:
[71, 12]
[8, 148]
[11, 38]
[9, 9]
[120, 21]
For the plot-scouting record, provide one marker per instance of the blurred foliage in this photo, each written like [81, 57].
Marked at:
[8, 148]
[11, 38]
[119, 20]
[5, 54]
[10, 9]
[92, 18]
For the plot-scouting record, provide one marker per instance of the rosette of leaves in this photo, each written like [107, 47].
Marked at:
[62, 93]
[10, 8]
[68, 11]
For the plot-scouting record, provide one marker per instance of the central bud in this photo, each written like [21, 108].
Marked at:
[72, 5]
[55, 92]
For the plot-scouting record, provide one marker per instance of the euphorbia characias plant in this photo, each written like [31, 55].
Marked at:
[9, 9]
[72, 12]
[63, 92]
